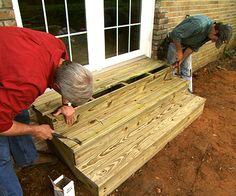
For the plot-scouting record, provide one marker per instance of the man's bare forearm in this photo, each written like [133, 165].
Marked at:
[179, 51]
[178, 45]
[40, 131]
[18, 129]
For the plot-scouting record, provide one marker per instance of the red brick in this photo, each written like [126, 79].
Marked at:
[7, 3]
[6, 14]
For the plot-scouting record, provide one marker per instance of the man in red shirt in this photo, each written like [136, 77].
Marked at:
[30, 62]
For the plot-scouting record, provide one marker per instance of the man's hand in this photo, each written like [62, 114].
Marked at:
[43, 132]
[68, 112]
[176, 64]
[176, 67]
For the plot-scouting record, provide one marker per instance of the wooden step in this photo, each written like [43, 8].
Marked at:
[134, 114]
[110, 160]
[117, 156]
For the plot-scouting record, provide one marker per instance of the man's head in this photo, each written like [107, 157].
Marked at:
[75, 82]
[224, 34]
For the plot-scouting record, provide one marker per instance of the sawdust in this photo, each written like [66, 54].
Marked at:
[200, 161]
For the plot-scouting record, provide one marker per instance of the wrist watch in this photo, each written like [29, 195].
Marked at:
[67, 104]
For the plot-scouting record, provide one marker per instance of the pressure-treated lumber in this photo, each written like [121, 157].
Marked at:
[134, 114]
[103, 80]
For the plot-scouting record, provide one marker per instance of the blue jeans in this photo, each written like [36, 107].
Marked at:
[185, 67]
[23, 151]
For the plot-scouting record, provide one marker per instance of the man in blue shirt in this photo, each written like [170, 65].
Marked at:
[189, 36]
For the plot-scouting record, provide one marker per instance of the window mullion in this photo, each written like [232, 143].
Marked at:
[117, 27]
[129, 25]
[68, 30]
[45, 16]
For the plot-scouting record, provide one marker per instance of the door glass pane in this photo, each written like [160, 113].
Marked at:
[123, 12]
[123, 34]
[56, 17]
[66, 42]
[32, 14]
[110, 13]
[110, 42]
[136, 11]
[80, 48]
[77, 18]
[135, 38]
[127, 26]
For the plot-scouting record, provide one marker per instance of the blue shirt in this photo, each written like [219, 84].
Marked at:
[192, 32]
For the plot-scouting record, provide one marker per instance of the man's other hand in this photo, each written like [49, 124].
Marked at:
[68, 112]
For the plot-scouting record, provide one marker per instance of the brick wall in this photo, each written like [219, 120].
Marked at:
[168, 13]
[7, 17]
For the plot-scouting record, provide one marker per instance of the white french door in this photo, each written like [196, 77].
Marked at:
[97, 33]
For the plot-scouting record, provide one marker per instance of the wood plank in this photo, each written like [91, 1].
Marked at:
[44, 98]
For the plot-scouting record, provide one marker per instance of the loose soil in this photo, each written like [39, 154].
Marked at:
[199, 161]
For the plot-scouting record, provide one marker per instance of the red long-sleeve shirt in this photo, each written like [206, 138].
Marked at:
[28, 60]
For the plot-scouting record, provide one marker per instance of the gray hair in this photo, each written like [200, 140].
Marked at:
[75, 82]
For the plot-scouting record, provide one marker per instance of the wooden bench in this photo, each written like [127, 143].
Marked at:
[135, 113]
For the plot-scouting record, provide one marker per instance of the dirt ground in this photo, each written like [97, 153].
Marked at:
[200, 161]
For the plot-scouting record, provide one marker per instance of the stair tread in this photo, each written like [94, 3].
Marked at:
[123, 73]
